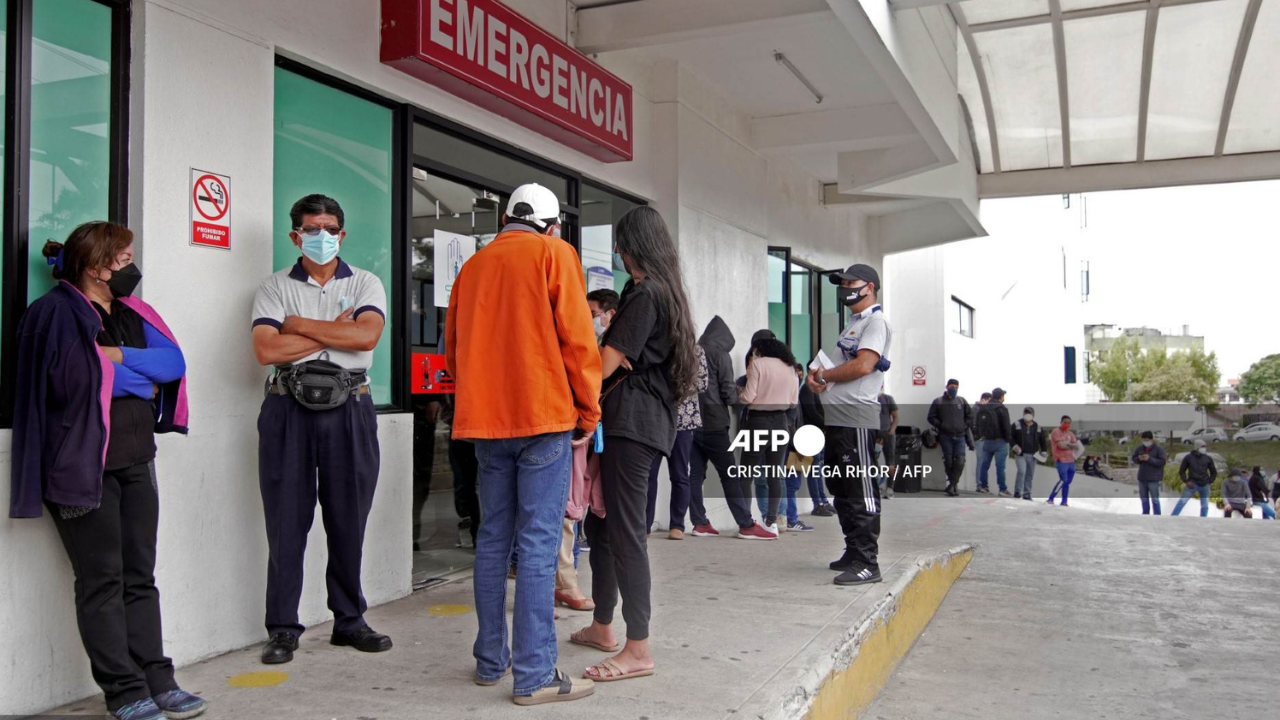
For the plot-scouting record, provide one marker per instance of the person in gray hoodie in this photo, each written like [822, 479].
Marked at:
[711, 442]
[1235, 494]
[1150, 459]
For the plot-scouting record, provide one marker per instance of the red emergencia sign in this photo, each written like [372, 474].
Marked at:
[487, 53]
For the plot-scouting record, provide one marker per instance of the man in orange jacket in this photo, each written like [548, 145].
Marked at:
[520, 345]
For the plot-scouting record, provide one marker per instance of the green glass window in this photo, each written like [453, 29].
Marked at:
[777, 295]
[829, 324]
[4, 71]
[331, 142]
[70, 125]
[601, 211]
[801, 313]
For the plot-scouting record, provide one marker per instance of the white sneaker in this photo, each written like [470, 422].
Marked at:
[773, 528]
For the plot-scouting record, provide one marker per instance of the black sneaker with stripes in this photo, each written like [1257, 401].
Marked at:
[858, 576]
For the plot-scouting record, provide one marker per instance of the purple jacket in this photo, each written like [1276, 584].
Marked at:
[62, 408]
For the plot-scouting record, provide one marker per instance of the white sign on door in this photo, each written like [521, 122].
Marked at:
[451, 251]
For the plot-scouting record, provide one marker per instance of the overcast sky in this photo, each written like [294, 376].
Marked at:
[1205, 256]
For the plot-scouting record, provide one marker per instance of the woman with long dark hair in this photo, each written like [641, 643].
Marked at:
[650, 361]
[99, 374]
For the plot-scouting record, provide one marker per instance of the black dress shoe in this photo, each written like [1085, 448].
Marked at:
[844, 563]
[364, 640]
[279, 649]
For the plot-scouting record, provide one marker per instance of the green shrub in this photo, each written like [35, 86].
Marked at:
[1175, 484]
[1102, 445]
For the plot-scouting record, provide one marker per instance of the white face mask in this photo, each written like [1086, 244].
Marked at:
[1146, 443]
[1028, 417]
[598, 321]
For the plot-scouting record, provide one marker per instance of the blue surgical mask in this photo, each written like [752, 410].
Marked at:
[320, 247]
[618, 264]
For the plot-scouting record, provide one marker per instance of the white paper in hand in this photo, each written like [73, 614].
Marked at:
[821, 361]
[1041, 456]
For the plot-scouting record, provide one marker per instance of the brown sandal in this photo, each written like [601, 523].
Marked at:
[615, 673]
[577, 639]
[573, 603]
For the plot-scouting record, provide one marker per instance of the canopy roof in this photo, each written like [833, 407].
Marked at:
[1069, 83]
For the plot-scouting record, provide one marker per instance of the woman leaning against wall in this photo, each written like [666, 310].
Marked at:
[99, 374]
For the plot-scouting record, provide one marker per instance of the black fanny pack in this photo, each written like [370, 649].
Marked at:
[319, 384]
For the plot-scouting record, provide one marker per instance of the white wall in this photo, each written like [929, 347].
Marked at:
[733, 203]
[726, 204]
[211, 567]
[1023, 316]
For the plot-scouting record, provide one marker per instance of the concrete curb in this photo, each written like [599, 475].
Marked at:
[846, 666]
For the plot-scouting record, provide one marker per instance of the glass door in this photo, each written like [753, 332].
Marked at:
[441, 526]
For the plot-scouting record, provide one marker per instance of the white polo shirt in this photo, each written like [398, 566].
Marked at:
[856, 403]
[294, 292]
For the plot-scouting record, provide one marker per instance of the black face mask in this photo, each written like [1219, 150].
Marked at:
[850, 296]
[124, 281]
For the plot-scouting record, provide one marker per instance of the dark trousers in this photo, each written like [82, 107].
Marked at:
[305, 455]
[714, 446]
[766, 457]
[678, 469]
[424, 460]
[953, 457]
[619, 550]
[113, 555]
[856, 492]
[462, 458]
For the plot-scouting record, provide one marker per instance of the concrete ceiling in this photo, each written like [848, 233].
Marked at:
[742, 68]
[870, 132]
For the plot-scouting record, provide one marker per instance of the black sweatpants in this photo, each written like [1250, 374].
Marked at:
[619, 549]
[303, 455]
[462, 458]
[424, 460]
[113, 554]
[856, 492]
[766, 457]
[714, 446]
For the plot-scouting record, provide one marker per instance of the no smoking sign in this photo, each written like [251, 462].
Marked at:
[918, 375]
[210, 209]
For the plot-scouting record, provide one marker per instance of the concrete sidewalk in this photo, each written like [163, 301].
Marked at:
[1064, 612]
[740, 629]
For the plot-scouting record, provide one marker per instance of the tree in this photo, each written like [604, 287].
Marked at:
[1176, 379]
[1261, 382]
[1125, 372]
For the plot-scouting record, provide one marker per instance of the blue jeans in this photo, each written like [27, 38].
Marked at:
[1066, 473]
[1268, 512]
[1149, 491]
[1189, 489]
[814, 481]
[1026, 465]
[523, 489]
[989, 450]
[793, 507]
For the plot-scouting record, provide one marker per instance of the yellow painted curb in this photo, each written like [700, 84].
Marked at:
[259, 679]
[847, 692]
[444, 610]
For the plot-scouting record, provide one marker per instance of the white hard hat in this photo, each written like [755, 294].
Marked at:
[534, 204]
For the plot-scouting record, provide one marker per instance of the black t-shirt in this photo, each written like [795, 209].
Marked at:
[641, 408]
[133, 419]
